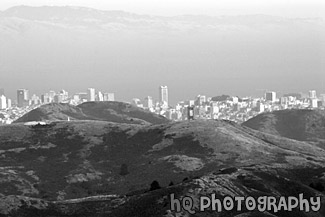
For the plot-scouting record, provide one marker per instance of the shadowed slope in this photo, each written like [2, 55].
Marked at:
[118, 112]
[76, 159]
[295, 124]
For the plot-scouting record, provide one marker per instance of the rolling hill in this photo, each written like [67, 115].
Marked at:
[99, 168]
[118, 112]
[301, 125]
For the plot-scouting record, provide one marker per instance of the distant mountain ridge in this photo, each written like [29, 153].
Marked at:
[118, 46]
[79, 15]
[118, 112]
[57, 13]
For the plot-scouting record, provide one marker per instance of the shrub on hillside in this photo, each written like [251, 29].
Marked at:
[124, 170]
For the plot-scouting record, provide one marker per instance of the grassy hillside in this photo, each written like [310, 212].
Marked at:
[77, 159]
[118, 112]
[295, 124]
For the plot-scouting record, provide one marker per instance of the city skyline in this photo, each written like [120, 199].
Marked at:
[274, 94]
[133, 54]
[135, 108]
[227, 107]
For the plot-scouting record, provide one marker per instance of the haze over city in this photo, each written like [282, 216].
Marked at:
[162, 108]
[44, 48]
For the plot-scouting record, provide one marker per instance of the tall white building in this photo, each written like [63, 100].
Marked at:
[163, 94]
[109, 97]
[200, 100]
[91, 94]
[313, 103]
[3, 102]
[260, 107]
[8, 103]
[214, 108]
[312, 94]
[52, 93]
[65, 94]
[148, 102]
[100, 96]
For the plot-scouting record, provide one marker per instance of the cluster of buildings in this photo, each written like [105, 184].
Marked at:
[201, 107]
[11, 110]
[226, 107]
[62, 96]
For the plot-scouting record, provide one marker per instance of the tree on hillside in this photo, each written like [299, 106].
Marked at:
[124, 170]
[154, 185]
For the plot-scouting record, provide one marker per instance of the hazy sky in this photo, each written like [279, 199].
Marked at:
[286, 8]
[237, 57]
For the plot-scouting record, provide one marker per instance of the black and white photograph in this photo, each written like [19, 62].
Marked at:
[174, 108]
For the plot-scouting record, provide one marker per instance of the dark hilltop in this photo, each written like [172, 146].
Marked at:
[303, 125]
[117, 112]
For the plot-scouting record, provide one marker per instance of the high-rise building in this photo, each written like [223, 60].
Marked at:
[200, 100]
[284, 100]
[270, 96]
[190, 102]
[163, 94]
[91, 94]
[9, 103]
[3, 102]
[45, 98]
[2, 91]
[65, 95]
[35, 100]
[214, 109]
[312, 94]
[313, 102]
[148, 102]
[22, 97]
[260, 107]
[109, 97]
[58, 98]
[52, 93]
[100, 96]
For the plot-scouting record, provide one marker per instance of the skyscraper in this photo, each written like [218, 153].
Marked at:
[313, 102]
[312, 94]
[45, 98]
[22, 97]
[52, 93]
[100, 96]
[91, 94]
[58, 98]
[65, 94]
[8, 103]
[270, 96]
[163, 94]
[148, 102]
[3, 102]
